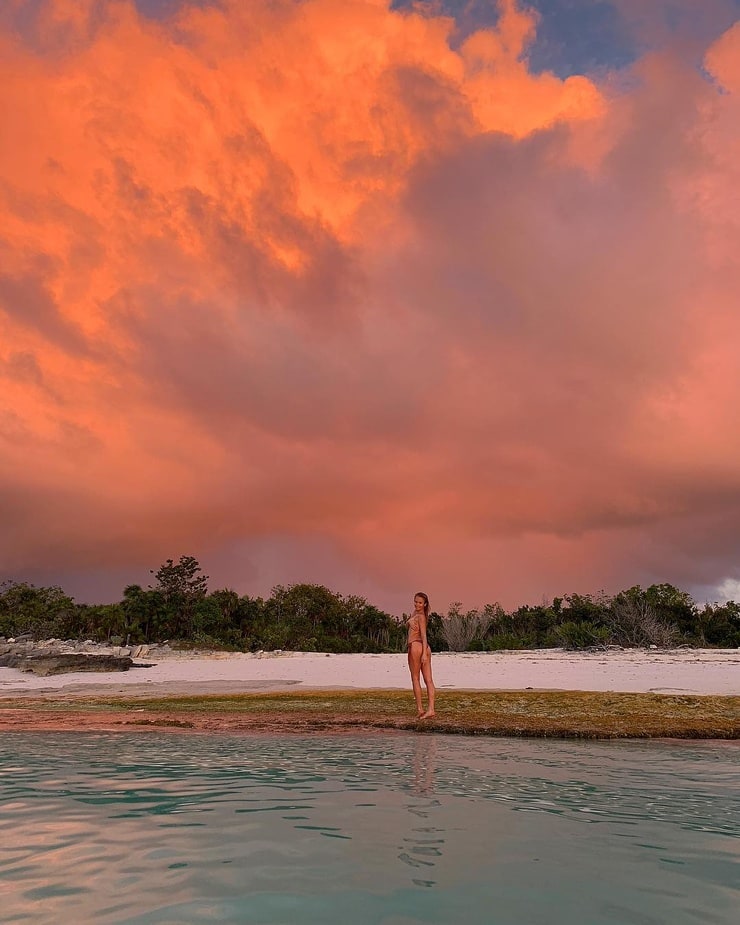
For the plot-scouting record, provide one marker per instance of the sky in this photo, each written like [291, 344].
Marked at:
[386, 296]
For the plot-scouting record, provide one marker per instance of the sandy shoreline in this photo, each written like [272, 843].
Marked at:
[684, 671]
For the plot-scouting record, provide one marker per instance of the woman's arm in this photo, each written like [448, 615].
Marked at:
[425, 648]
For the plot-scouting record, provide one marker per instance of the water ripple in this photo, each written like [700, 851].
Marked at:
[187, 829]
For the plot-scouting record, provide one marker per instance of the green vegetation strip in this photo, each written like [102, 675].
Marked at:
[572, 714]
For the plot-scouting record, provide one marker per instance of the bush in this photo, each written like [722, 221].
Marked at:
[44, 613]
[502, 641]
[460, 629]
[633, 622]
[720, 625]
[583, 635]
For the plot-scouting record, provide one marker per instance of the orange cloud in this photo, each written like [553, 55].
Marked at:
[306, 270]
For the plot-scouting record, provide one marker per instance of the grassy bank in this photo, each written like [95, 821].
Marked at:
[564, 714]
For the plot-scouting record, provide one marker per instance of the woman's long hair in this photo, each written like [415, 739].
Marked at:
[426, 602]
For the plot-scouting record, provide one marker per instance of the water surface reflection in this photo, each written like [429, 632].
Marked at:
[378, 829]
[422, 847]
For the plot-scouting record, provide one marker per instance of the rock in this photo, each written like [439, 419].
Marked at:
[44, 664]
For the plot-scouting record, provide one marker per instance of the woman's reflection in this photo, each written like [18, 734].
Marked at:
[424, 844]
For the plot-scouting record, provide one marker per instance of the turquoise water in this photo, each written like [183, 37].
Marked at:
[171, 828]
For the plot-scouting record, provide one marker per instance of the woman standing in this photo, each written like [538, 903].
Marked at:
[420, 655]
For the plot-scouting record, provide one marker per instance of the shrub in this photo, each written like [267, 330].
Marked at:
[460, 629]
[633, 622]
[582, 635]
[503, 641]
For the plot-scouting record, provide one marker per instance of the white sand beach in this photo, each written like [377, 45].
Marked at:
[684, 671]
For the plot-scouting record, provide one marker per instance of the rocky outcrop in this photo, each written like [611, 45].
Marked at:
[27, 644]
[101, 656]
[55, 656]
[49, 663]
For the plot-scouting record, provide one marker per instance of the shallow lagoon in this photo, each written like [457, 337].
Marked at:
[392, 829]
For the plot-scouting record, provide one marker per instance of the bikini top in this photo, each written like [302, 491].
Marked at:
[414, 627]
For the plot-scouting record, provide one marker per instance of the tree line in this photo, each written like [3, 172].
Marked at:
[179, 608]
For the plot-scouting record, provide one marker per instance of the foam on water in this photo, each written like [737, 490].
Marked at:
[177, 829]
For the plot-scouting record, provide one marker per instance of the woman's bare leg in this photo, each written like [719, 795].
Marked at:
[415, 650]
[426, 671]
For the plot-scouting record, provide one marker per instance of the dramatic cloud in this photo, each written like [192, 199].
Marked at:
[316, 291]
